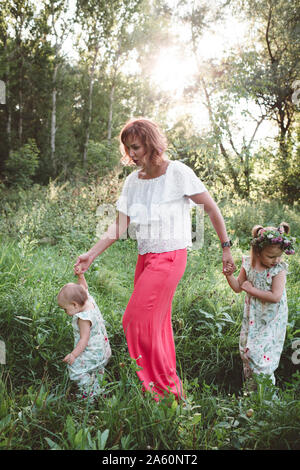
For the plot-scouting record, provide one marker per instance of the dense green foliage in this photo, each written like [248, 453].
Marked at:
[59, 126]
[42, 231]
[74, 75]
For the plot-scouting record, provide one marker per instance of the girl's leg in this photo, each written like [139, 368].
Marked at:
[88, 382]
[147, 320]
[85, 383]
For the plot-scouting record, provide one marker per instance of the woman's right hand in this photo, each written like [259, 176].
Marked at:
[83, 261]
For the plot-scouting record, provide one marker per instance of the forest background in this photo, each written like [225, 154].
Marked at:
[222, 80]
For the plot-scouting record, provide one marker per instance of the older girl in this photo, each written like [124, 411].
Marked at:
[262, 277]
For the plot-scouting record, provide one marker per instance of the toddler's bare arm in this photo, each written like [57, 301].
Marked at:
[80, 277]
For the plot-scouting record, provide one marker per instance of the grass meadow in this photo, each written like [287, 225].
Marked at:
[42, 231]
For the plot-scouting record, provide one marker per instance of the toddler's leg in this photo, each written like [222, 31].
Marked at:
[85, 383]
[91, 384]
[97, 378]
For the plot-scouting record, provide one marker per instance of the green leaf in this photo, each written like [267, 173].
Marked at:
[52, 444]
[102, 439]
[70, 428]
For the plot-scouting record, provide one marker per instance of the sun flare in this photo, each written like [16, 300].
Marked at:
[173, 71]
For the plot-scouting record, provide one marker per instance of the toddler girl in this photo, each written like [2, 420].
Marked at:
[91, 346]
[262, 277]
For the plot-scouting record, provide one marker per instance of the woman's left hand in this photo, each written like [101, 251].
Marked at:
[228, 263]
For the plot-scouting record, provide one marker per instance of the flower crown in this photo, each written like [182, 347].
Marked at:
[271, 237]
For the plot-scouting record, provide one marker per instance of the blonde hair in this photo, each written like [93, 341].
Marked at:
[72, 292]
[257, 249]
[150, 136]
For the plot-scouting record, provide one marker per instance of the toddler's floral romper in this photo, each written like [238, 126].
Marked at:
[90, 363]
[263, 325]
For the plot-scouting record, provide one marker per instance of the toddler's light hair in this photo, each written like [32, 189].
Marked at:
[72, 292]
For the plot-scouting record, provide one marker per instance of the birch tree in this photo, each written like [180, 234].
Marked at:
[268, 69]
[107, 44]
[221, 102]
[59, 29]
[21, 15]
[96, 21]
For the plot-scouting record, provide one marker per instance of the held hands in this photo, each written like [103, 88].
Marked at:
[83, 263]
[228, 264]
[78, 270]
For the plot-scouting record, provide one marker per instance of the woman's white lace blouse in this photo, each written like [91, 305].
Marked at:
[159, 208]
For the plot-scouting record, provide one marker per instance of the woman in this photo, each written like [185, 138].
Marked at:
[156, 200]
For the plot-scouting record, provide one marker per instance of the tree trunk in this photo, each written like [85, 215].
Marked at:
[53, 120]
[110, 114]
[217, 133]
[8, 128]
[20, 129]
[7, 100]
[90, 107]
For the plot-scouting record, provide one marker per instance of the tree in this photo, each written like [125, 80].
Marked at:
[21, 165]
[227, 139]
[97, 19]
[259, 73]
[267, 70]
[59, 27]
[110, 34]
[24, 64]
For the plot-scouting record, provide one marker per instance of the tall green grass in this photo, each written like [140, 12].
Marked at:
[42, 232]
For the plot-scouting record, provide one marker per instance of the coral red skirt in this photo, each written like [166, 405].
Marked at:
[147, 321]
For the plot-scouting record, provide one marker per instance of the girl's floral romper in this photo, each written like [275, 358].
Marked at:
[86, 368]
[264, 324]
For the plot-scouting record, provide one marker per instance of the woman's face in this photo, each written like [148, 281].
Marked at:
[137, 151]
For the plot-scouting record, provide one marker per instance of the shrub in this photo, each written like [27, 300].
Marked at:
[102, 157]
[21, 165]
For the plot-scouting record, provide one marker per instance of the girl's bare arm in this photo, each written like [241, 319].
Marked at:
[80, 277]
[216, 218]
[236, 283]
[85, 329]
[274, 295]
